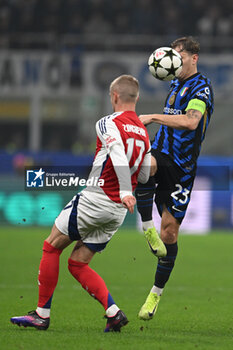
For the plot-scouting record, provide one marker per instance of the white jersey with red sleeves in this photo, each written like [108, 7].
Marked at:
[122, 154]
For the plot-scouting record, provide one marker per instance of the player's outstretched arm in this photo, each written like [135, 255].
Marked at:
[188, 121]
[146, 119]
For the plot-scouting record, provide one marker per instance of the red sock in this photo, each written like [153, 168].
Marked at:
[91, 282]
[48, 274]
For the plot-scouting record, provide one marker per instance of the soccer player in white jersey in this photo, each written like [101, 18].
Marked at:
[94, 215]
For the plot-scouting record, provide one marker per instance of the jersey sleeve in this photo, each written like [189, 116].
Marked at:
[144, 172]
[122, 170]
[108, 133]
[111, 139]
[196, 104]
[202, 96]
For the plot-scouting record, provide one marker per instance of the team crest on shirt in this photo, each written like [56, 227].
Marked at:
[172, 99]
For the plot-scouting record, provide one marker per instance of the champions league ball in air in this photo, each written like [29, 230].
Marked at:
[165, 63]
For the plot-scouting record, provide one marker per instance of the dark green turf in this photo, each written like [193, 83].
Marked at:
[195, 312]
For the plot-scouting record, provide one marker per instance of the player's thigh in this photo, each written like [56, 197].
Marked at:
[57, 239]
[99, 226]
[169, 227]
[66, 222]
[173, 188]
[89, 222]
[97, 223]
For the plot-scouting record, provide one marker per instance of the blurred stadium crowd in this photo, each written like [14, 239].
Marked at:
[57, 58]
[80, 29]
[59, 17]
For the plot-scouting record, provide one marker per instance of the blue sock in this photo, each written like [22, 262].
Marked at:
[166, 265]
[144, 194]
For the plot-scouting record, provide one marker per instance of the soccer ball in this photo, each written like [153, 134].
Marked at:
[165, 63]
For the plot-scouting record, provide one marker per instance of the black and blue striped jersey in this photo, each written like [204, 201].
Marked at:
[183, 146]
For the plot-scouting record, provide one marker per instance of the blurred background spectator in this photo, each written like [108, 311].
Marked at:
[59, 17]
[55, 52]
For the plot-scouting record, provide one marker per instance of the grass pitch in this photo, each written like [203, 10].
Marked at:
[195, 312]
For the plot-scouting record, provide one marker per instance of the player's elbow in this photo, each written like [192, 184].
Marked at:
[192, 125]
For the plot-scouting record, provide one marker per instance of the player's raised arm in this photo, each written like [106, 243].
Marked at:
[187, 121]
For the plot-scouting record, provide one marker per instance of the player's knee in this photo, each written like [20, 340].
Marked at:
[75, 267]
[169, 228]
[57, 239]
[169, 233]
[169, 237]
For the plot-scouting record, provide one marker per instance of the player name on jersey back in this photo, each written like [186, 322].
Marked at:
[135, 129]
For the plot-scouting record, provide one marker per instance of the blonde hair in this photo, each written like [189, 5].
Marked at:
[127, 87]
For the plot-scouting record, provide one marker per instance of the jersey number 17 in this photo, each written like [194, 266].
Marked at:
[140, 147]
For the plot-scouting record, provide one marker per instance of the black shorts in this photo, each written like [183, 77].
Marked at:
[174, 186]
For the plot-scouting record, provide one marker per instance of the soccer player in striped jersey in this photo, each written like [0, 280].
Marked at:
[94, 215]
[175, 150]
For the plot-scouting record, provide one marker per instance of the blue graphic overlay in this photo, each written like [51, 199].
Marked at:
[35, 178]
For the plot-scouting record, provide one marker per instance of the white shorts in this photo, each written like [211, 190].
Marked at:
[89, 221]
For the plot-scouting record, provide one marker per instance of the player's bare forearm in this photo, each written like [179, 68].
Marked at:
[129, 203]
[194, 115]
[188, 121]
